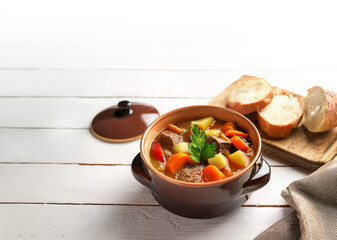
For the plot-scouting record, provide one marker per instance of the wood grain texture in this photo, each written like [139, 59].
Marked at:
[301, 147]
[129, 222]
[178, 84]
[72, 112]
[50, 183]
[69, 146]
[164, 58]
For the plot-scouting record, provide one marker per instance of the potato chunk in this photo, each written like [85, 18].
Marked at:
[215, 133]
[181, 147]
[203, 123]
[222, 135]
[238, 159]
[220, 161]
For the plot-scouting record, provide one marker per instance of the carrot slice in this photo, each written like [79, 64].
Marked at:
[228, 126]
[228, 172]
[189, 133]
[238, 143]
[249, 150]
[174, 128]
[212, 173]
[178, 161]
[231, 133]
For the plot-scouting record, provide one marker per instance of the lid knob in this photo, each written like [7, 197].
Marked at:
[124, 104]
[124, 109]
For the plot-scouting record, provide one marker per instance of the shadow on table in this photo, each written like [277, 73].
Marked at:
[154, 222]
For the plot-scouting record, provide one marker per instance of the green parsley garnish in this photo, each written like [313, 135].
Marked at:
[188, 129]
[198, 148]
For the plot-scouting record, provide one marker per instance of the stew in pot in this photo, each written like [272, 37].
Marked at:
[202, 150]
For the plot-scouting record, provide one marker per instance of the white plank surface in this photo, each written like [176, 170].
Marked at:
[163, 58]
[71, 112]
[106, 184]
[114, 83]
[69, 146]
[125, 222]
[63, 146]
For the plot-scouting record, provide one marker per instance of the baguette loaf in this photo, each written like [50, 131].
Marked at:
[320, 109]
[250, 94]
[282, 115]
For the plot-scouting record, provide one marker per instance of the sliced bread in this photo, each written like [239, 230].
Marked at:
[251, 94]
[320, 109]
[282, 115]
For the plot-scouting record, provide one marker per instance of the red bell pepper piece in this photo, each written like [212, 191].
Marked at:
[157, 151]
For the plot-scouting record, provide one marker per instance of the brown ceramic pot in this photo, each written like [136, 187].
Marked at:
[201, 200]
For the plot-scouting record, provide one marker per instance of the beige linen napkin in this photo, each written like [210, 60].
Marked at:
[314, 199]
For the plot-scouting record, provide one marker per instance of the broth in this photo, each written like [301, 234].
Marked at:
[179, 133]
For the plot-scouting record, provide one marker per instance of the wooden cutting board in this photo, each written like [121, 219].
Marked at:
[301, 147]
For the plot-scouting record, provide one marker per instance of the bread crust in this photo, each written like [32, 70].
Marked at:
[279, 131]
[274, 131]
[330, 120]
[253, 106]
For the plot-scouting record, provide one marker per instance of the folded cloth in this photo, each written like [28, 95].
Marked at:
[314, 199]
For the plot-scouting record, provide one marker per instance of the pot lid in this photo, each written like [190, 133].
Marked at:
[123, 122]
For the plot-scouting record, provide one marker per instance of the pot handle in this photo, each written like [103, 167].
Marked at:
[259, 177]
[138, 171]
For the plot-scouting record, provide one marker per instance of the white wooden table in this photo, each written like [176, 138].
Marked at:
[60, 65]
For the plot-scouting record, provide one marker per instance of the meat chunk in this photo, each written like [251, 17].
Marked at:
[167, 154]
[191, 173]
[169, 139]
[220, 144]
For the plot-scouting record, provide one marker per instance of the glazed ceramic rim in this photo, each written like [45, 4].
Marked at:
[257, 149]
